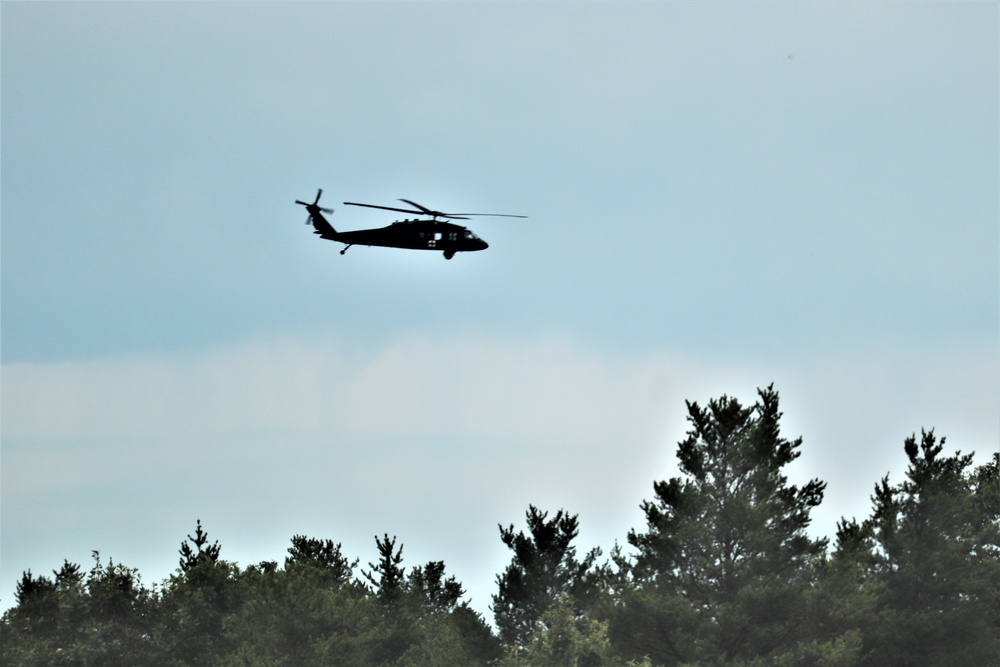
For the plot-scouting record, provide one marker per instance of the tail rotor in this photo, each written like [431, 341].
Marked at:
[314, 207]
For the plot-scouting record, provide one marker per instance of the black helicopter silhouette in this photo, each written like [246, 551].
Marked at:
[417, 234]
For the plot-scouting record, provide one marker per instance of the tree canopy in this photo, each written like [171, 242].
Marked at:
[543, 572]
[724, 565]
[724, 572]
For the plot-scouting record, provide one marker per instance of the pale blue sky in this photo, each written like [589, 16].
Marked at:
[721, 195]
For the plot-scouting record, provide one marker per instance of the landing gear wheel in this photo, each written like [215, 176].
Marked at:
[448, 254]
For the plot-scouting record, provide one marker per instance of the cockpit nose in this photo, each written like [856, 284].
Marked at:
[474, 242]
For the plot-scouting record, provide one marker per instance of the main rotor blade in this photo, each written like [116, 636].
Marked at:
[386, 208]
[423, 208]
[458, 216]
[436, 214]
[492, 215]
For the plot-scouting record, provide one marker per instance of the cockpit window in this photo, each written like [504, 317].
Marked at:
[469, 235]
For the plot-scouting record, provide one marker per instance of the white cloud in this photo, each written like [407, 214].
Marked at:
[551, 392]
[547, 390]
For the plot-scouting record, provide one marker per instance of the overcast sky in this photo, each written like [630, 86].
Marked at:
[720, 196]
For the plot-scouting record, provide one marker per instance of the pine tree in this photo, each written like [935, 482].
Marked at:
[196, 600]
[936, 561]
[201, 552]
[431, 591]
[722, 570]
[323, 556]
[388, 575]
[543, 572]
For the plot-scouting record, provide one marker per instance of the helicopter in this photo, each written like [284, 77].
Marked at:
[417, 234]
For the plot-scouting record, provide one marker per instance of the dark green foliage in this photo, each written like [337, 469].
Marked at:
[723, 569]
[420, 619]
[387, 576]
[321, 554]
[432, 592]
[543, 571]
[300, 616]
[933, 549]
[723, 574]
[211, 612]
[321, 560]
[562, 638]
[196, 601]
[101, 618]
[201, 552]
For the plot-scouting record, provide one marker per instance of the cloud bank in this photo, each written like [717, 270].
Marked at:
[553, 396]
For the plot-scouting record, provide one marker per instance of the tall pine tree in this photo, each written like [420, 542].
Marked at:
[724, 565]
[935, 540]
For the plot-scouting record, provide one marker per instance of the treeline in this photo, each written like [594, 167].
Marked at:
[723, 573]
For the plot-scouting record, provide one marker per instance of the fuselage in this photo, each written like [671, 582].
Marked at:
[418, 235]
[445, 237]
